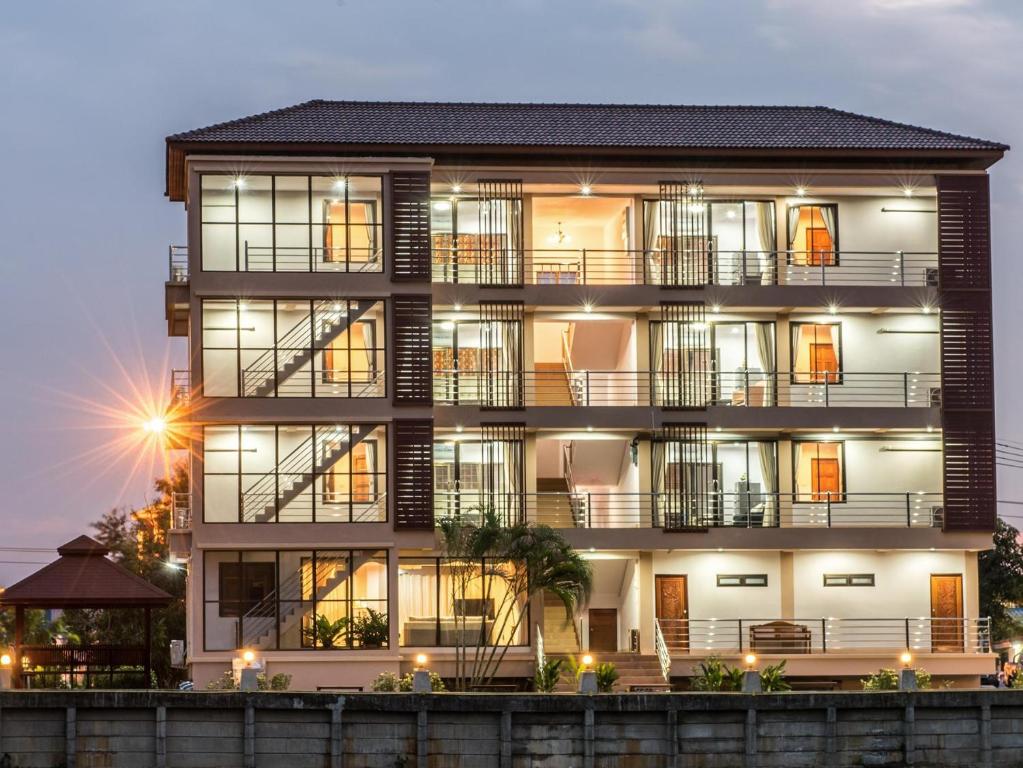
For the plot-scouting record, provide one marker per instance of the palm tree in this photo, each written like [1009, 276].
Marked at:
[528, 560]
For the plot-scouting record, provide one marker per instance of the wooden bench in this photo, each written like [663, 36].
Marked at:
[779, 637]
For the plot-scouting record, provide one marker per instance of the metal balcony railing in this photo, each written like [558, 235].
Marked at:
[585, 509]
[587, 266]
[177, 264]
[180, 387]
[281, 258]
[791, 637]
[751, 389]
[181, 511]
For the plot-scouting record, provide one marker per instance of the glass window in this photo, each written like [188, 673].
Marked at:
[744, 363]
[443, 603]
[819, 471]
[294, 348]
[304, 599]
[816, 353]
[261, 223]
[295, 473]
[848, 579]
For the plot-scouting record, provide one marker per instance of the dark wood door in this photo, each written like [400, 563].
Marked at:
[673, 611]
[947, 613]
[603, 629]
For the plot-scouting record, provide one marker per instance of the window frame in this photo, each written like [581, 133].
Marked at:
[379, 228]
[753, 580]
[839, 375]
[843, 492]
[849, 580]
[349, 600]
[834, 240]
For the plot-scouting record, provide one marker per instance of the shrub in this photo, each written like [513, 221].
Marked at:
[715, 675]
[772, 679]
[385, 682]
[548, 676]
[226, 682]
[888, 680]
[607, 676]
[436, 684]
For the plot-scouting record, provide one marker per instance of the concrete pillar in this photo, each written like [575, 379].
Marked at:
[646, 602]
[588, 682]
[161, 737]
[971, 586]
[506, 739]
[909, 733]
[337, 743]
[422, 743]
[392, 595]
[751, 738]
[71, 737]
[751, 682]
[588, 734]
[249, 737]
[788, 586]
[985, 735]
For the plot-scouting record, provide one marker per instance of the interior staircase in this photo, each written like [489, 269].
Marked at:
[560, 633]
[295, 349]
[296, 472]
[551, 385]
[260, 623]
[553, 502]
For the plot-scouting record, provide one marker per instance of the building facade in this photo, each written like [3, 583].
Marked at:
[741, 357]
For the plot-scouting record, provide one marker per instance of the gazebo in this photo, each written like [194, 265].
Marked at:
[82, 577]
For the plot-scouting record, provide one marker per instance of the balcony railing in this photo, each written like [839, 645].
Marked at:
[177, 264]
[586, 266]
[585, 509]
[181, 511]
[752, 389]
[181, 387]
[280, 258]
[788, 637]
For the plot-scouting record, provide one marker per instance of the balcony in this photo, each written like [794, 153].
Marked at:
[176, 298]
[594, 510]
[598, 267]
[180, 387]
[824, 636]
[177, 264]
[748, 389]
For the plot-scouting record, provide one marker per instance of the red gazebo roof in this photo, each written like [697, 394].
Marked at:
[83, 577]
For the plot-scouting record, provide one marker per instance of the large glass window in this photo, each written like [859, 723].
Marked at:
[263, 223]
[819, 469]
[295, 473]
[739, 481]
[736, 238]
[293, 348]
[295, 600]
[441, 603]
[816, 353]
[475, 476]
[476, 242]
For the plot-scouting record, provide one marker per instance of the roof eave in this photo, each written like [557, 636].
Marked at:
[178, 150]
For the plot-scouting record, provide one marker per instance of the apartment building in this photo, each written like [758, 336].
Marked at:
[740, 356]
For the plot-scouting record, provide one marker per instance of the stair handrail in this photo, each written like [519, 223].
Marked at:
[566, 361]
[287, 466]
[661, 647]
[300, 336]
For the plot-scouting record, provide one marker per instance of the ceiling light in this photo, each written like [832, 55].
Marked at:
[558, 236]
[339, 184]
[458, 307]
[730, 213]
[456, 188]
[926, 309]
[800, 191]
[908, 191]
[587, 307]
[833, 309]
[239, 183]
[589, 429]
[586, 189]
[442, 205]
[716, 309]
[834, 429]
[459, 428]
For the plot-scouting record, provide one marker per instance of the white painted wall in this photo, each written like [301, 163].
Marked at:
[709, 601]
[902, 583]
[865, 350]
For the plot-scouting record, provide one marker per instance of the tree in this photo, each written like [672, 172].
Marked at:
[527, 560]
[1001, 581]
[137, 540]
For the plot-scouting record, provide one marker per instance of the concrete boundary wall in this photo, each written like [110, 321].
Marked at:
[170, 729]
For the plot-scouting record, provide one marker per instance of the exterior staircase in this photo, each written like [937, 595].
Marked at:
[636, 672]
[295, 349]
[262, 499]
[560, 633]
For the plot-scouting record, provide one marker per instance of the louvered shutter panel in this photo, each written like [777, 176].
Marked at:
[686, 487]
[501, 232]
[413, 473]
[967, 353]
[682, 239]
[684, 378]
[410, 226]
[504, 470]
[501, 326]
[411, 349]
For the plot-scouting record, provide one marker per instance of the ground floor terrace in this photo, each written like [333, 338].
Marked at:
[338, 618]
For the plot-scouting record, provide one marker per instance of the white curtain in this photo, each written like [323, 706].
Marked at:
[768, 242]
[769, 474]
[765, 351]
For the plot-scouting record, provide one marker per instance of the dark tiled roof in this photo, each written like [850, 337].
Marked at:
[83, 577]
[580, 125]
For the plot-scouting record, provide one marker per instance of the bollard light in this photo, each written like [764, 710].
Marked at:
[906, 658]
[587, 661]
[421, 661]
[751, 660]
[248, 657]
[5, 660]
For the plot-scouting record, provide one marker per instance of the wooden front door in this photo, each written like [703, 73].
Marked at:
[947, 613]
[825, 482]
[603, 629]
[673, 611]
